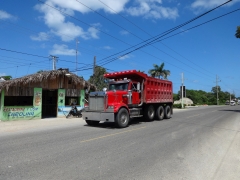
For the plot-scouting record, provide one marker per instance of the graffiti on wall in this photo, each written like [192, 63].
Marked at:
[20, 112]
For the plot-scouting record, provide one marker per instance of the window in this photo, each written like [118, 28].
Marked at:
[134, 86]
[18, 101]
[120, 86]
[69, 100]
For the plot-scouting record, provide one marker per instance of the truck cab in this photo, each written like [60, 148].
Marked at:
[129, 94]
[130, 91]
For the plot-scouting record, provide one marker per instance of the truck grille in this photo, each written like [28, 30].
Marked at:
[96, 103]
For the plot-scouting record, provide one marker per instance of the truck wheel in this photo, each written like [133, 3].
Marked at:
[149, 113]
[92, 123]
[167, 112]
[122, 118]
[160, 113]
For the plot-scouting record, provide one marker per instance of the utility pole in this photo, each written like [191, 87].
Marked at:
[94, 65]
[54, 59]
[76, 54]
[182, 90]
[217, 88]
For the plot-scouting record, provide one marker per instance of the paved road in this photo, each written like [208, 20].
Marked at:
[198, 143]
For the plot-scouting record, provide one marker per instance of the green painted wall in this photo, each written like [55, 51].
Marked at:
[11, 113]
[1, 103]
[82, 98]
[61, 97]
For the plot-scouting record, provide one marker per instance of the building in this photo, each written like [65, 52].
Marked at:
[41, 95]
[1, 79]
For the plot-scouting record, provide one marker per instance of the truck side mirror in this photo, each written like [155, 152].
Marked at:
[138, 86]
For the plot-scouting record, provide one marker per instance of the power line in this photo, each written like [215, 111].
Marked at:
[108, 19]
[121, 56]
[52, 38]
[83, 22]
[115, 58]
[134, 35]
[28, 54]
[24, 53]
[155, 38]
[148, 33]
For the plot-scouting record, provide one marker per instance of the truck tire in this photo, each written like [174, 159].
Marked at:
[149, 113]
[160, 113]
[167, 112]
[92, 123]
[122, 118]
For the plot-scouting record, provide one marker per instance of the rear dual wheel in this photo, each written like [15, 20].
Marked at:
[160, 113]
[167, 112]
[163, 112]
[149, 113]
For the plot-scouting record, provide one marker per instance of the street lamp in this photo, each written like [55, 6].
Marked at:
[76, 54]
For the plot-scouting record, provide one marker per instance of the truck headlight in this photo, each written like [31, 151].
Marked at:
[110, 107]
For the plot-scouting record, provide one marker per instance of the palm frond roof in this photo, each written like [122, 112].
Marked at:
[44, 76]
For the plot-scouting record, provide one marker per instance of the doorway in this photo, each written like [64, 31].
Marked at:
[49, 103]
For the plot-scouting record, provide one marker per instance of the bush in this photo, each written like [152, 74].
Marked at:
[178, 106]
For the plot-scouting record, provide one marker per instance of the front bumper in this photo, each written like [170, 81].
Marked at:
[98, 116]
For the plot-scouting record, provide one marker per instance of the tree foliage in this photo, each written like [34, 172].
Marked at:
[159, 72]
[97, 79]
[210, 98]
[40, 71]
[7, 77]
[238, 32]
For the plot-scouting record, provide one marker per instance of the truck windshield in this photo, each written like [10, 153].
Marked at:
[120, 86]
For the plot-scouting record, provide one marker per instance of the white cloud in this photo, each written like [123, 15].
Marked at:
[123, 32]
[142, 9]
[42, 36]
[58, 24]
[107, 47]
[152, 9]
[207, 4]
[62, 50]
[124, 57]
[76, 5]
[4, 15]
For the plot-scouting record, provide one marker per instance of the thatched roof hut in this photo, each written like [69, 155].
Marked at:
[54, 79]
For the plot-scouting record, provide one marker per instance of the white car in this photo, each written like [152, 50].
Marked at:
[232, 103]
[238, 102]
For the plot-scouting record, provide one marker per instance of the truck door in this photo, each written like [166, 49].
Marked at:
[135, 94]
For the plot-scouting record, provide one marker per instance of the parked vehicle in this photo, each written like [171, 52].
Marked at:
[74, 112]
[227, 103]
[238, 102]
[232, 103]
[130, 94]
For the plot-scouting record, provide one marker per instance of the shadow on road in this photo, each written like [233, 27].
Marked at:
[231, 110]
[111, 125]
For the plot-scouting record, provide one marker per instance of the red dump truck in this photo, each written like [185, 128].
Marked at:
[130, 94]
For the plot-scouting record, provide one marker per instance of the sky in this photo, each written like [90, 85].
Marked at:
[198, 48]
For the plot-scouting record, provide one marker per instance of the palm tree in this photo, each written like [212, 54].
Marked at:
[158, 71]
[238, 32]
